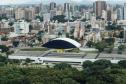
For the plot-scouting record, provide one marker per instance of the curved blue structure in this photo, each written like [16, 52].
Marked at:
[61, 43]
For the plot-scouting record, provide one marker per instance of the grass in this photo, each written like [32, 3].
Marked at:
[34, 49]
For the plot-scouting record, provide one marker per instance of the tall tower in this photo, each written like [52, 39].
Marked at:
[67, 10]
[52, 5]
[124, 11]
[99, 6]
[120, 13]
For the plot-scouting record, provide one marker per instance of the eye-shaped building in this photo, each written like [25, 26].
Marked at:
[62, 43]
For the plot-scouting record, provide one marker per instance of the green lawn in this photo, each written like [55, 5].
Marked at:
[34, 49]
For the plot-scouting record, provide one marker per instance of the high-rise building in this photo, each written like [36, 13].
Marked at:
[94, 7]
[104, 14]
[19, 13]
[99, 6]
[109, 12]
[9, 11]
[124, 34]
[52, 5]
[114, 16]
[67, 10]
[29, 13]
[66, 7]
[120, 13]
[124, 11]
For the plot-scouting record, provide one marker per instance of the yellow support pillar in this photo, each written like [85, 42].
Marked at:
[60, 50]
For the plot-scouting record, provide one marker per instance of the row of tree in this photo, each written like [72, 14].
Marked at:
[98, 72]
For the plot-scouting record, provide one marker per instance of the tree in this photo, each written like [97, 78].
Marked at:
[30, 28]
[121, 34]
[59, 34]
[69, 81]
[83, 20]
[122, 63]
[62, 66]
[4, 38]
[100, 46]
[67, 35]
[92, 79]
[40, 18]
[87, 64]
[10, 23]
[59, 18]
[28, 60]
[113, 26]
[90, 44]
[88, 26]
[103, 63]
[15, 43]
[2, 59]
[39, 39]
[4, 48]
[110, 49]
[110, 41]
[121, 47]
[71, 31]
[3, 17]
[2, 64]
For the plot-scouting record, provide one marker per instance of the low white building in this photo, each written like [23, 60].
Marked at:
[21, 27]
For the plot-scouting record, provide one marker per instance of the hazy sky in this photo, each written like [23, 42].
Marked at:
[3, 2]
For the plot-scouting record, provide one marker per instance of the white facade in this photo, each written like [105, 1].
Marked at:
[120, 13]
[21, 27]
[114, 16]
[87, 15]
[46, 17]
[104, 14]
[82, 30]
[77, 29]
[48, 59]
[75, 43]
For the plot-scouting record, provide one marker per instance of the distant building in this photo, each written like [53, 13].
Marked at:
[67, 10]
[77, 29]
[52, 6]
[124, 34]
[5, 27]
[109, 13]
[19, 14]
[52, 13]
[114, 16]
[66, 7]
[10, 12]
[124, 9]
[21, 27]
[46, 17]
[120, 13]
[29, 13]
[104, 14]
[99, 6]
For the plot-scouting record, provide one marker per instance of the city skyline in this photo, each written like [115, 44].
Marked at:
[8, 2]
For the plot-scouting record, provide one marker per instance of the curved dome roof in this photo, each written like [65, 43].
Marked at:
[62, 43]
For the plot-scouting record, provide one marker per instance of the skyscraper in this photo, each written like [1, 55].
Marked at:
[19, 13]
[124, 11]
[120, 13]
[66, 7]
[99, 6]
[52, 5]
[67, 10]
